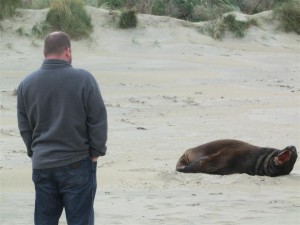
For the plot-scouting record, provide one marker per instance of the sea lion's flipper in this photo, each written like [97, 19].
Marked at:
[187, 169]
[182, 162]
[201, 165]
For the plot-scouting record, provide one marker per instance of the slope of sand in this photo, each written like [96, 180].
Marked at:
[167, 88]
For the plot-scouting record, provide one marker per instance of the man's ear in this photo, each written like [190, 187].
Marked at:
[68, 52]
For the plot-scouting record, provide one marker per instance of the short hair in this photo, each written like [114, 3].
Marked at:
[56, 42]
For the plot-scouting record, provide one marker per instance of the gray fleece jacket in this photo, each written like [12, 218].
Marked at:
[61, 115]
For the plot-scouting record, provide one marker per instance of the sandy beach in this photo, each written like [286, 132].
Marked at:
[167, 87]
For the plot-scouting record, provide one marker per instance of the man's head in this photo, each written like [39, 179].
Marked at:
[57, 45]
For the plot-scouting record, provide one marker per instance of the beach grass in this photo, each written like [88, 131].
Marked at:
[238, 28]
[218, 27]
[69, 16]
[127, 19]
[8, 7]
[289, 16]
[112, 4]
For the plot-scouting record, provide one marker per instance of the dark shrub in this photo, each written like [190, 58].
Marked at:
[128, 19]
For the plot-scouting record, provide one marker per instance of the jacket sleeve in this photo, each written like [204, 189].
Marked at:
[23, 123]
[96, 119]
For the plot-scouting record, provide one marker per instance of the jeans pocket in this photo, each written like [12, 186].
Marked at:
[76, 176]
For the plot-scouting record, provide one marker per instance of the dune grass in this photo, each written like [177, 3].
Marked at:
[8, 7]
[127, 19]
[69, 16]
[112, 4]
[289, 16]
[238, 28]
[218, 27]
[39, 4]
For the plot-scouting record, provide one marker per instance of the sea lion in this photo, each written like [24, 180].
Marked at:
[233, 156]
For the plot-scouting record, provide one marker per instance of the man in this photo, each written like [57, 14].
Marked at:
[62, 120]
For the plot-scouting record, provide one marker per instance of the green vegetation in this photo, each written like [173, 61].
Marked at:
[69, 16]
[21, 32]
[289, 16]
[158, 7]
[128, 19]
[237, 27]
[8, 7]
[210, 11]
[39, 30]
[112, 4]
[39, 4]
[218, 28]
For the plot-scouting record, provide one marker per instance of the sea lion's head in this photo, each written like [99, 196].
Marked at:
[283, 162]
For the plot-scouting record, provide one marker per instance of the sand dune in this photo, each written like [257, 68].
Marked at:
[167, 88]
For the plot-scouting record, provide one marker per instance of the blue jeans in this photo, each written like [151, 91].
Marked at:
[72, 187]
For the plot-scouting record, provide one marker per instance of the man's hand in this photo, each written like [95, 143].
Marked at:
[94, 159]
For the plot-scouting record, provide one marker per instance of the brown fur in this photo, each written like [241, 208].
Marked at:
[233, 156]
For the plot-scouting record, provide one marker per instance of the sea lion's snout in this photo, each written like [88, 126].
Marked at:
[180, 168]
[285, 155]
[293, 151]
[291, 148]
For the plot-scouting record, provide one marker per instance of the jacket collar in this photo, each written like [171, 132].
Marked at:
[55, 63]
